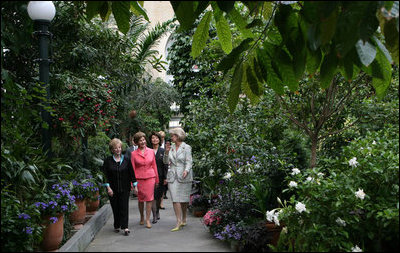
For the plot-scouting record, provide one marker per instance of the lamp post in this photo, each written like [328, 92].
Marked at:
[42, 12]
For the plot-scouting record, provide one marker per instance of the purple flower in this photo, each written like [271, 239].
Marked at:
[28, 230]
[53, 219]
[24, 216]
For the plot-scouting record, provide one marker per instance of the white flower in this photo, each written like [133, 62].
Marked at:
[374, 142]
[284, 230]
[227, 175]
[320, 174]
[270, 215]
[353, 162]
[211, 171]
[300, 207]
[295, 171]
[356, 249]
[292, 184]
[309, 179]
[360, 193]
[341, 222]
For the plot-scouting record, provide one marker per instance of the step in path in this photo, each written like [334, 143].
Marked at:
[193, 237]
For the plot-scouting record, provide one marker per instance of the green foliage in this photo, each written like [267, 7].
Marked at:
[338, 216]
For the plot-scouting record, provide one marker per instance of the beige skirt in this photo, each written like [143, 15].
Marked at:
[180, 192]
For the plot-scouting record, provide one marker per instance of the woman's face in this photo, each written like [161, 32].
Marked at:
[174, 138]
[116, 150]
[142, 142]
[155, 140]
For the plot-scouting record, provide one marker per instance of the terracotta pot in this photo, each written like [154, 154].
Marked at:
[275, 230]
[93, 205]
[199, 212]
[53, 233]
[78, 216]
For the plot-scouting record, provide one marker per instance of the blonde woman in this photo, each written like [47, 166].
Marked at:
[120, 179]
[179, 176]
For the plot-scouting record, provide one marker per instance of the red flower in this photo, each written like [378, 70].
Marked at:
[60, 119]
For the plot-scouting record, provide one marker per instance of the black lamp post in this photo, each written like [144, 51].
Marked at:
[42, 12]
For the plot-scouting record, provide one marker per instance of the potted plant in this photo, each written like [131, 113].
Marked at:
[93, 198]
[198, 204]
[53, 204]
[81, 190]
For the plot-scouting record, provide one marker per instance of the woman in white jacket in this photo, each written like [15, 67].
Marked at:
[179, 176]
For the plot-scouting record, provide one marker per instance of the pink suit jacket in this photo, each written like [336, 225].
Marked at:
[144, 165]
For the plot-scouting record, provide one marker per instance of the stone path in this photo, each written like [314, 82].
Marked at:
[193, 237]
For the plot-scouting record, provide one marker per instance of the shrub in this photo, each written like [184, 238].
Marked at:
[351, 203]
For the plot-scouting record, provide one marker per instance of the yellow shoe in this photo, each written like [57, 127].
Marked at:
[176, 228]
[183, 224]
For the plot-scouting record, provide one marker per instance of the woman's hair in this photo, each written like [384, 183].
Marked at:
[138, 136]
[113, 143]
[162, 134]
[178, 132]
[156, 134]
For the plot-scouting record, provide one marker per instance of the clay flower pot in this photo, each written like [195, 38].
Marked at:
[78, 216]
[53, 233]
[93, 205]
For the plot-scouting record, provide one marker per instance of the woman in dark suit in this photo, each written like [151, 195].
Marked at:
[155, 139]
[120, 178]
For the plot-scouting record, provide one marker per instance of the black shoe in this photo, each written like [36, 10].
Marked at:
[154, 221]
[162, 208]
[165, 197]
[116, 230]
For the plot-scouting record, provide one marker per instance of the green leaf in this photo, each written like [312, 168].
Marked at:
[138, 10]
[268, 72]
[391, 33]
[226, 6]
[223, 31]
[285, 68]
[267, 10]
[328, 27]
[201, 35]
[328, 69]
[381, 74]
[313, 61]
[92, 8]
[122, 15]
[184, 11]
[252, 80]
[240, 22]
[247, 82]
[235, 88]
[105, 11]
[366, 51]
[382, 48]
[228, 61]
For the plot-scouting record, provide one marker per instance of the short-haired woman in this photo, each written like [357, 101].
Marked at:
[120, 178]
[144, 164]
[179, 176]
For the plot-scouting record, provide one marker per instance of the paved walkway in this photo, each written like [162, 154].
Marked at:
[193, 237]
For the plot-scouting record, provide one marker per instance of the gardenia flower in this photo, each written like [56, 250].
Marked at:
[309, 179]
[295, 171]
[227, 175]
[374, 142]
[272, 216]
[292, 184]
[300, 207]
[353, 162]
[356, 249]
[360, 193]
[340, 222]
[211, 171]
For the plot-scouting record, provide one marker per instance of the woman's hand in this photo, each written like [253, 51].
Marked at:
[184, 173]
[165, 182]
[167, 147]
[110, 191]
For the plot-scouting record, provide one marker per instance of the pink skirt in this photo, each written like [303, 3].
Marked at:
[146, 189]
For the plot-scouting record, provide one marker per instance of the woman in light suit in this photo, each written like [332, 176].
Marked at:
[179, 176]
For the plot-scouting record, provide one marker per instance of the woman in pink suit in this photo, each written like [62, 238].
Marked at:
[144, 164]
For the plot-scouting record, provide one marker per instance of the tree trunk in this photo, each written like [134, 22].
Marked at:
[314, 145]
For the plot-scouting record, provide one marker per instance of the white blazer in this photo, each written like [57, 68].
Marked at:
[179, 161]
